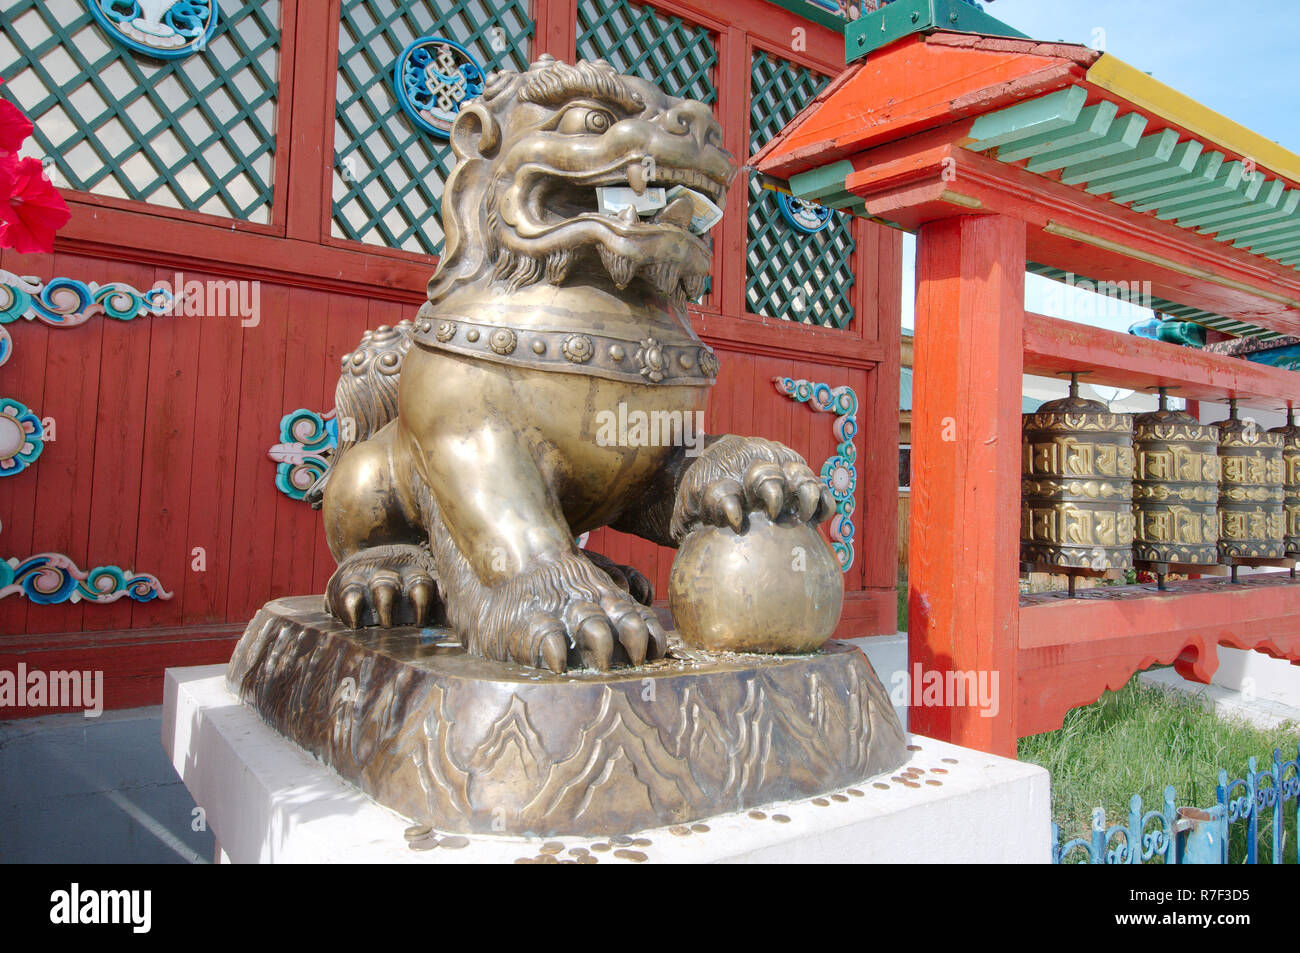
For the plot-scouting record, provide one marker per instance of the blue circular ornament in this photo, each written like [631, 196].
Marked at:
[433, 78]
[807, 217]
[165, 29]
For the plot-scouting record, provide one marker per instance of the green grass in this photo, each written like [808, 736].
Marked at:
[1139, 739]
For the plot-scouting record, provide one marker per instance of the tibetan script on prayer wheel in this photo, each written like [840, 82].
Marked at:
[1290, 435]
[1077, 486]
[1250, 491]
[1175, 488]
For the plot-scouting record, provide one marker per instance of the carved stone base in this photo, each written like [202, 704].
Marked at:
[471, 746]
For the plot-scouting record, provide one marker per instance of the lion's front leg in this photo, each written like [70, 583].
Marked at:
[515, 585]
[732, 476]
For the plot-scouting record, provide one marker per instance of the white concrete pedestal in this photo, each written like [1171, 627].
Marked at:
[266, 800]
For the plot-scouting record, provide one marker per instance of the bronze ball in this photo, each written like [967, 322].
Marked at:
[776, 587]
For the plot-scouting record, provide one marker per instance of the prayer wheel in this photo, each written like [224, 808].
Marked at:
[1175, 488]
[1077, 486]
[1290, 435]
[1250, 491]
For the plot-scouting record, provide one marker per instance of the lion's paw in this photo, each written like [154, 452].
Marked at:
[563, 614]
[740, 475]
[384, 586]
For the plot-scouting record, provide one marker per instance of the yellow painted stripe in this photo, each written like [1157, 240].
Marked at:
[1114, 75]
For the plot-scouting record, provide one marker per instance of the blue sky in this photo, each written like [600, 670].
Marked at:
[1238, 57]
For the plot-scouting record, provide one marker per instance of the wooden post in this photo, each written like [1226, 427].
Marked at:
[965, 527]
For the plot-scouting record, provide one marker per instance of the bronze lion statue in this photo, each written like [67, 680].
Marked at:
[471, 460]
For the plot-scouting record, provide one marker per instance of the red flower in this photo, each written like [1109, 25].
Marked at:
[8, 166]
[14, 127]
[31, 209]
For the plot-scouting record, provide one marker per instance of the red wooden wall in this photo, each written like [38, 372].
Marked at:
[163, 423]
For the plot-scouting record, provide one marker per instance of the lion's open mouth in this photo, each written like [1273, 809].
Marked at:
[556, 214]
[561, 197]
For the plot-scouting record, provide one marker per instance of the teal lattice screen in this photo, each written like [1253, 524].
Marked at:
[679, 57]
[790, 274]
[196, 133]
[388, 174]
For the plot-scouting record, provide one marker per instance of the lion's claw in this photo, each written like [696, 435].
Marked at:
[568, 628]
[769, 488]
[724, 502]
[739, 475]
[384, 586]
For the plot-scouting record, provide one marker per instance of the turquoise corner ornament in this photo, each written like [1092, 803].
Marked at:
[839, 472]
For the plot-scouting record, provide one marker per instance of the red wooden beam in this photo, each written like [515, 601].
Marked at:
[965, 517]
[1071, 650]
[1054, 348]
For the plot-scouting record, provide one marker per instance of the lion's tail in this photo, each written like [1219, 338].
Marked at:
[366, 396]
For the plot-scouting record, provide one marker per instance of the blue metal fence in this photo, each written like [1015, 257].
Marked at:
[1189, 835]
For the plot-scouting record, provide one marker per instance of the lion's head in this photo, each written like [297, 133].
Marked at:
[521, 205]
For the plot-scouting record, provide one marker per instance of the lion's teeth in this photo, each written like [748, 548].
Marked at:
[704, 211]
[678, 212]
[636, 177]
[629, 215]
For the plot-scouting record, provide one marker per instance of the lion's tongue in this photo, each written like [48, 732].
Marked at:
[677, 212]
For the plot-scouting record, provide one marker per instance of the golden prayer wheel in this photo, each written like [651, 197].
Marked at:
[1077, 485]
[1290, 435]
[1175, 488]
[1250, 491]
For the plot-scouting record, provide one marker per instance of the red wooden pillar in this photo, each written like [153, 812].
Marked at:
[965, 520]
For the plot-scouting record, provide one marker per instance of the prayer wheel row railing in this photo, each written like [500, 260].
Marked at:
[1104, 492]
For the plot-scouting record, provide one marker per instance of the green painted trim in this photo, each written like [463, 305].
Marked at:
[1190, 212]
[1124, 134]
[1179, 182]
[1227, 179]
[1091, 125]
[1280, 216]
[1207, 167]
[1282, 238]
[904, 18]
[1182, 159]
[1281, 246]
[1263, 204]
[814, 13]
[1034, 117]
[1245, 238]
[1153, 150]
[821, 182]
